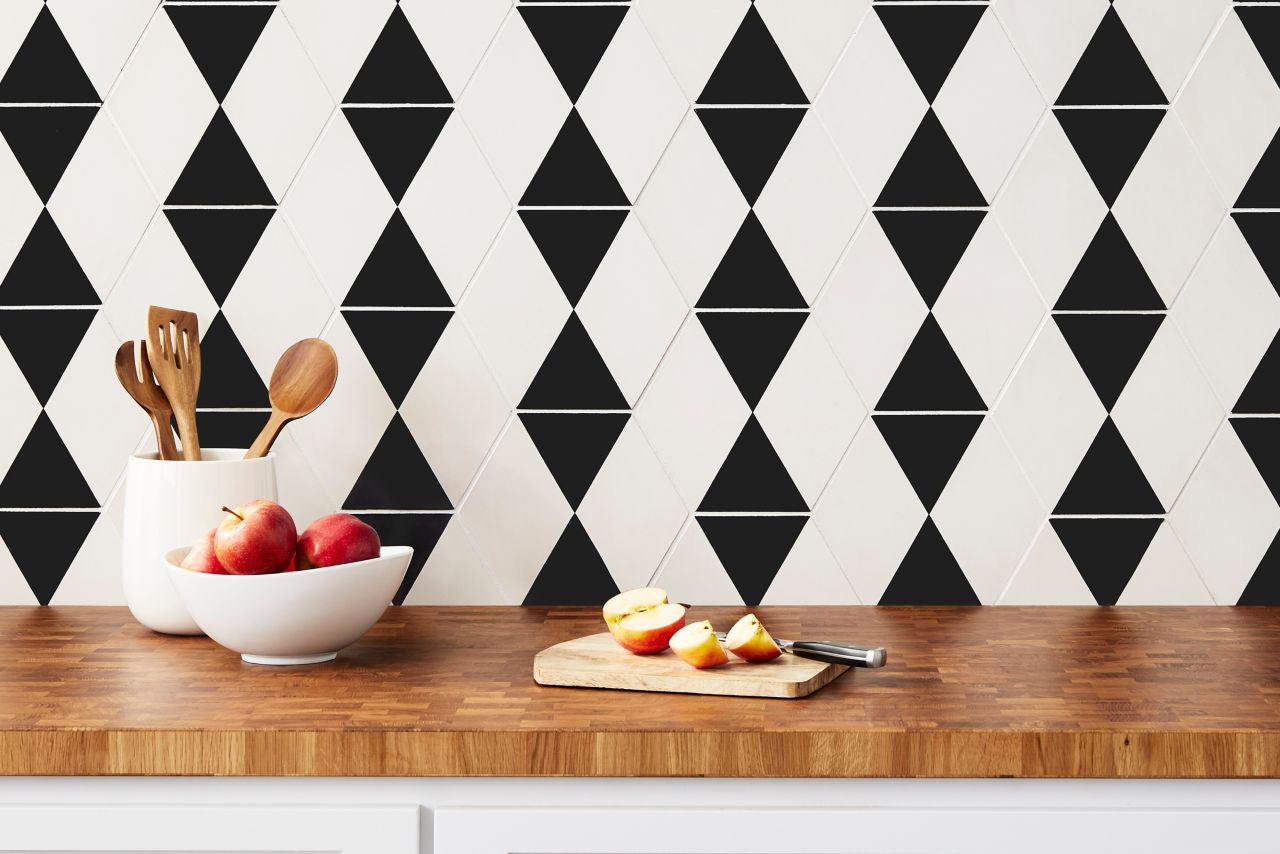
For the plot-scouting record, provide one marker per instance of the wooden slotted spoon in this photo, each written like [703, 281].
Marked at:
[146, 392]
[173, 344]
[301, 381]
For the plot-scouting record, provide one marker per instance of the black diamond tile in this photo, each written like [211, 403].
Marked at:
[573, 375]
[45, 272]
[752, 549]
[43, 474]
[420, 530]
[397, 140]
[929, 574]
[1106, 552]
[752, 69]
[930, 39]
[574, 446]
[42, 342]
[234, 429]
[751, 141]
[219, 39]
[930, 244]
[930, 377]
[397, 476]
[1262, 23]
[1262, 190]
[751, 274]
[1108, 480]
[228, 378]
[1109, 276]
[43, 139]
[573, 39]
[220, 171]
[1264, 586]
[752, 478]
[573, 243]
[397, 344]
[574, 172]
[1262, 232]
[1262, 393]
[398, 70]
[930, 173]
[1111, 70]
[1261, 438]
[752, 345]
[1109, 143]
[397, 272]
[928, 448]
[44, 545]
[573, 574]
[1108, 347]
[45, 69]
[219, 242]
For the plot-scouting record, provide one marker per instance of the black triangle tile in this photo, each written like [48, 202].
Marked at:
[930, 39]
[1109, 276]
[227, 377]
[220, 171]
[930, 173]
[43, 139]
[1108, 480]
[751, 141]
[1261, 394]
[573, 375]
[574, 171]
[929, 574]
[219, 39]
[1106, 552]
[930, 244]
[397, 344]
[219, 242]
[45, 272]
[1261, 438]
[420, 530]
[752, 478]
[752, 549]
[1264, 585]
[1108, 347]
[43, 474]
[42, 342]
[1262, 190]
[397, 140]
[45, 69]
[752, 345]
[1262, 232]
[573, 39]
[574, 446]
[573, 243]
[930, 376]
[574, 573]
[1262, 23]
[1109, 143]
[1111, 70]
[398, 70]
[752, 69]
[229, 429]
[751, 274]
[397, 272]
[43, 546]
[928, 448]
[397, 476]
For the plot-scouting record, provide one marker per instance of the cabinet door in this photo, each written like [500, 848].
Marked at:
[177, 829]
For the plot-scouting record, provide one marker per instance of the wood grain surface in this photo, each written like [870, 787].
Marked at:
[979, 692]
[596, 661]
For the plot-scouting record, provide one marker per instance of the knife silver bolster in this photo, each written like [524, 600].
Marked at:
[847, 654]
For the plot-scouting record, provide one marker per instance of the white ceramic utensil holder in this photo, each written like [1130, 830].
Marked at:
[171, 503]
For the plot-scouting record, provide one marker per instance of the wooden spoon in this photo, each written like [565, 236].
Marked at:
[173, 343]
[302, 380]
[146, 392]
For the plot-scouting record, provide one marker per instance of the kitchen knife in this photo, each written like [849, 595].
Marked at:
[831, 652]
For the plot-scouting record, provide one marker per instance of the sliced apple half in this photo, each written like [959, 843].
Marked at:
[696, 644]
[749, 641]
[642, 621]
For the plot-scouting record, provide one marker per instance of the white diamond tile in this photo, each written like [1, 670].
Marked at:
[810, 412]
[1050, 209]
[160, 265]
[1170, 34]
[20, 209]
[516, 512]
[810, 574]
[1226, 517]
[1049, 414]
[339, 207]
[337, 35]
[515, 309]
[1230, 107]
[1051, 36]
[1167, 413]
[455, 410]
[870, 311]
[515, 106]
[989, 105]
[691, 208]
[16, 18]
[989, 309]
[300, 488]
[988, 513]
[632, 511]
[21, 408]
[692, 412]
[278, 104]
[94, 576]
[455, 35]
[455, 206]
[100, 445]
[812, 34]
[632, 105]
[1047, 576]
[869, 514]
[14, 589]
[632, 309]
[102, 34]
[872, 106]
[455, 574]
[1165, 576]
[810, 206]
[1168, 208]
[102, 204]
[692, 36]
[161, 104]
[694, 572]
[1229, 312]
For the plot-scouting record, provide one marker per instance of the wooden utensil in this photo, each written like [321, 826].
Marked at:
[301, 381]
[146, 392]
[173, 344]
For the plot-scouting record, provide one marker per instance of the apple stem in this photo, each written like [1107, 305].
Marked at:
[233, 513]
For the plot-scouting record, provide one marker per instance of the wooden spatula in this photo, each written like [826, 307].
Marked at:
[302, 380]
[146, 392]
[173, 345]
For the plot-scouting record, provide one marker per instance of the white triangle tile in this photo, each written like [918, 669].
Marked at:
[455, 574]
[1051, 36]
[810, 574]
[337, 35]
[455, 35]
[94, 577]
[160, 265]
[812, 34]
[1170, 34]
[102, 35]
[20, 209]
[300, 489]
[14, 589]
[869, 514]
[692, 36]
[694, 573]
[1047, 576]
[1165, 576]
[21, 408]
[16, 18]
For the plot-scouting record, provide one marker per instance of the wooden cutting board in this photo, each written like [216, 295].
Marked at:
[597, 661]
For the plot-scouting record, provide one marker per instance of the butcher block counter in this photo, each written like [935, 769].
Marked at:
[448, 691]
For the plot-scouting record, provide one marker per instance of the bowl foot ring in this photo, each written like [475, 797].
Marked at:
[279, 660]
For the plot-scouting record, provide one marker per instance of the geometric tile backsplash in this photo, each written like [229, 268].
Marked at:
[799, 301]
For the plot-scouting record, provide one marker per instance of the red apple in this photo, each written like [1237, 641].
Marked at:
[696, 644]
[201, 558]
[641, 621]
[337, 538]
[255, 538]
[749, 641]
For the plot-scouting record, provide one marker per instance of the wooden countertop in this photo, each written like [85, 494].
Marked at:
[979, 692]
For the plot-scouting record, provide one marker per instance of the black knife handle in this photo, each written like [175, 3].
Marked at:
[838, 653]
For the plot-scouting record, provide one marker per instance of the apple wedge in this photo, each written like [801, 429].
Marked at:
[696, 644]
[642, 621]
[749, 641]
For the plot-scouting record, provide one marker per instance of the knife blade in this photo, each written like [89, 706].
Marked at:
[831, 652]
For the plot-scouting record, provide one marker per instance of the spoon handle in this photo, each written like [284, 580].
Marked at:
[164, 435]
[267, 438]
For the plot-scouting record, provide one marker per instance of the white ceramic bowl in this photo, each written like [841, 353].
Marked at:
[290, 617]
